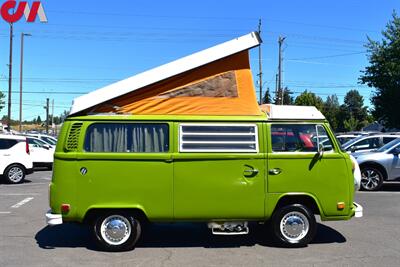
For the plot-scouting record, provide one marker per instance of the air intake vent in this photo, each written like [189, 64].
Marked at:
[73, 137]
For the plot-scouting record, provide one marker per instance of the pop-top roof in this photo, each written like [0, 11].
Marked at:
[160, 74]
[288, 112]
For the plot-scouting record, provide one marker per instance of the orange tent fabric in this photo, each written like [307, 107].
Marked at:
[222, 87]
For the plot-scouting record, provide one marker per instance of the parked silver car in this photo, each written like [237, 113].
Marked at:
[368, 143]
[379, 165]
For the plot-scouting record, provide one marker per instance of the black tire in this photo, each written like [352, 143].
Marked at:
[298, 214]
[125, 219]
[14, 174]
[371, 178]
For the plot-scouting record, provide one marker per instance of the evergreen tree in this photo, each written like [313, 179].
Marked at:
[267, 98]
[287, 97]
[331, 110]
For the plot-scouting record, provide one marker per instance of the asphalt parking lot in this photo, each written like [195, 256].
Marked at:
[25, 240]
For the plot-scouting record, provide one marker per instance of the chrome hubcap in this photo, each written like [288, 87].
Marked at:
[294, 226]
[115, 230]
[15, 174]
[370, 179]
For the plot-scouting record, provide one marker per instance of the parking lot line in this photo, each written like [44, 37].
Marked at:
[22, 202]
[19, 194]
[24, 184]
[5, 212]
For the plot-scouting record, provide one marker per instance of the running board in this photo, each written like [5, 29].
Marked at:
[229, 228]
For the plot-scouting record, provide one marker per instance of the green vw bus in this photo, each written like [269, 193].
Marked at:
[187, 141]
[118, 172]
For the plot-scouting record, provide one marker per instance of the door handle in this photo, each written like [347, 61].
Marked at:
[250, 172]
[275, 171]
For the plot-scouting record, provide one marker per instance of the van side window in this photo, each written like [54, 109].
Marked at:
[127, 137]
[218, 138]
[299, 138]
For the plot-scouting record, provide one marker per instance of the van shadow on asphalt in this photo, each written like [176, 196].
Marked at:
[174, 235]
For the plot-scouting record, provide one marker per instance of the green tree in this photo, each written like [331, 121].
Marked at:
[2, 103]
[309, 99]
[38, 120]
[267, 98]
[354, 105]
[331, 111]
[383, 74]
[350, 124]
[287, 97]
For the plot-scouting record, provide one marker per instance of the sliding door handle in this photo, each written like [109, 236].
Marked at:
[275, 171]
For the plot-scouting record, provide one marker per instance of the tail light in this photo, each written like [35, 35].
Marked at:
[27, 147]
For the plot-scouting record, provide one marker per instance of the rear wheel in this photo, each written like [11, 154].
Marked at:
[293, 225]
[14, 174]
[116, 231]
[371, 178]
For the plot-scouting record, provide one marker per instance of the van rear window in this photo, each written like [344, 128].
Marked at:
[127, 137]
[218, 138]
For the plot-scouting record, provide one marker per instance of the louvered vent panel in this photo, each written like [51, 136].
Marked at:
[73, 137]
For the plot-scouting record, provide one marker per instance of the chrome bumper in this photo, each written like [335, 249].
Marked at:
[53, 219]
[358, 210]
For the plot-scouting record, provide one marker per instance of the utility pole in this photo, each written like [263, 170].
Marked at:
[260, 62]
[280, 90]
[276, 89]
[47, 115]
[20, 78]
[52, 115]
[10, 79]
[52, 111]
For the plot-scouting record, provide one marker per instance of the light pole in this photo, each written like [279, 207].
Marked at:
[20, 78]
[10, 80]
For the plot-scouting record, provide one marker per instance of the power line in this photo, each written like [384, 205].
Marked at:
[330, 56]
[152, 16]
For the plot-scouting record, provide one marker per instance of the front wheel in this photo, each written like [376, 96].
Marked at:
[293, 225]
[371, 178]
[14, 174]
[116, 231]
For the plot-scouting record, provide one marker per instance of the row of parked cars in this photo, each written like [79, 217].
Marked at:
[377, 155]
[19, 154]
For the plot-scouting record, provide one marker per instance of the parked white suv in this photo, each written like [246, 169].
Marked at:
[15, 161]
[41, 152]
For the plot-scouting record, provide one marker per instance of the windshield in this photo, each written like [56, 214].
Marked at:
[349, 143]
[389, 145]
[49, 140]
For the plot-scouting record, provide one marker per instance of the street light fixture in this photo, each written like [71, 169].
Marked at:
[20, 78]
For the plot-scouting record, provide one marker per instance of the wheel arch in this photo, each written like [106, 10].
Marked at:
[92, 213]
[17, 164]
[305, 199]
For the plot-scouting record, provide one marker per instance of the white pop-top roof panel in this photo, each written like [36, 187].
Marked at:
[163, 72]
[288, 112]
